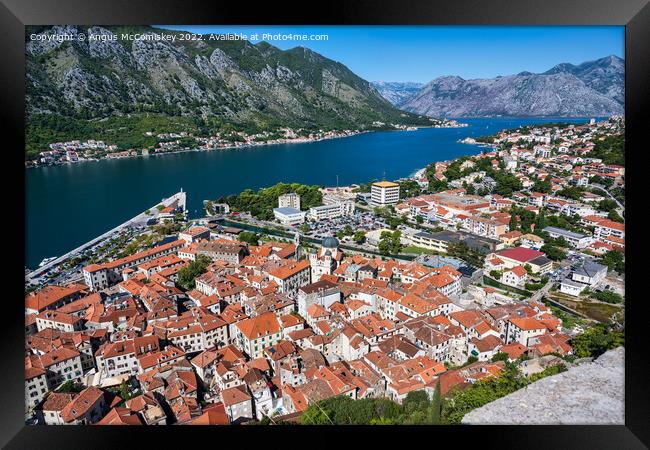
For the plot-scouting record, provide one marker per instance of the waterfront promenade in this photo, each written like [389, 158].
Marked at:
[139, 220]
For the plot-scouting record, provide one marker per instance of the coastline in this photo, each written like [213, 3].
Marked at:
[234, 146]
[198, 149]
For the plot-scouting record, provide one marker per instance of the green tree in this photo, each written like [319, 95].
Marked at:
[543, 186]
[409, 189]
[249, 237]
[496, 274]
[597, 340]
[614, 260]
[69, 386]
[607, 205]
[261, 203]
[512, 225]
[436, 185]
[436, 406]
[500, 356]
[389, 243]
[507, 183]
[597, 179]
[553, 252]
[187, 275]
[460, 401]
[571, 192]
[615, 216]
[611, 149]
[607, 296]
[540, 222]
[124, 391]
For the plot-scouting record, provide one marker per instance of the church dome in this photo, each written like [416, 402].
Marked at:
[330, 242]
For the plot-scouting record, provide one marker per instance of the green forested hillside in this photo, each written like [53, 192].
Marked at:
[115, 89]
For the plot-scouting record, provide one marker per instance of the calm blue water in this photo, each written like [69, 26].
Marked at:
[68, 205]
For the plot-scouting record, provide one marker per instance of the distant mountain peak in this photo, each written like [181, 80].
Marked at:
[450, 78]
[562, 67]
[396, 92]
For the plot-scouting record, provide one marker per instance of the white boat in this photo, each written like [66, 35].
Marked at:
[47, 260]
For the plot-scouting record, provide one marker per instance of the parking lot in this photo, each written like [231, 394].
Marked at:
[360, 221]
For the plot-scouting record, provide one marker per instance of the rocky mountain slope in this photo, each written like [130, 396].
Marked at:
[604, 75]
[396, 92]
[215, 83]
[591, 393]
[592, 88]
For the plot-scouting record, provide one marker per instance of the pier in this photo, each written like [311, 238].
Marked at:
[139, 220]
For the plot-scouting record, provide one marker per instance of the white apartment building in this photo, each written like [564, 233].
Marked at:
[35, 386]
[257, 333]
[60, 365]
[201, 336]
[331, 211]
[384, 193]
[323, 293]
[121, 358]
[291, 200]
[485, 227]
[291, 278]
[58, 321]
[606, 228]
[521, 329]
[576, 240]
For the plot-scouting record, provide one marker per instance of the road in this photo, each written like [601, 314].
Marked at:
[621, 207]
[537, 296]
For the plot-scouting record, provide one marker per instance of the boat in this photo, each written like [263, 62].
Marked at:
[47, 261]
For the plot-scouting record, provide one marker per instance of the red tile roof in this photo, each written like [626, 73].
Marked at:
[521, 254]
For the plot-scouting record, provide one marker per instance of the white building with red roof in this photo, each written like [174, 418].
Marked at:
[515, 276]
[520, 256]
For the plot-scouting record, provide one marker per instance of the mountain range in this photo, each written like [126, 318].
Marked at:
[120, 90]
[74, 87]
[593, 88]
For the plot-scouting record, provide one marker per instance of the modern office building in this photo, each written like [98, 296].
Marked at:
[384, 193]
[289, 216]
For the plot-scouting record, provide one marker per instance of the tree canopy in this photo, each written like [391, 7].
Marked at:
[261, 203]
[187, 275]
[597, 340]
[416, 409]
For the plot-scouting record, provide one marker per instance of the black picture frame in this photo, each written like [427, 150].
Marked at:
[634, 14]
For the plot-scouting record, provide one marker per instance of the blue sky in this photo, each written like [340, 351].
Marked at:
[421, 53]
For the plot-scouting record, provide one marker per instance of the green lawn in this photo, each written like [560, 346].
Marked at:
[418, 250]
